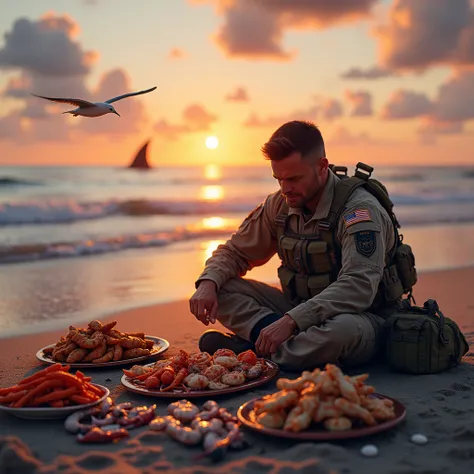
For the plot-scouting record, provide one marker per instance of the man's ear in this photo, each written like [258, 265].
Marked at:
[323, 164]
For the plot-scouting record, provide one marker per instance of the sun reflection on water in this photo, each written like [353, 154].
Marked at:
[212, 193]
[212, 172]
[209, 247]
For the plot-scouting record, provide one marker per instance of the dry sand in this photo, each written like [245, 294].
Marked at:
[439, 406]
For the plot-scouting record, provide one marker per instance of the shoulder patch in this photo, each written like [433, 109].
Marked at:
[365, 242]
[358, 215]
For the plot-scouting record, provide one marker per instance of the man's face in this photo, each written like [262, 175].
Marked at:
[300, 179]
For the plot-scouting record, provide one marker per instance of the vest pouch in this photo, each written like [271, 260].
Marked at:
[405, 262]
[287, 249]
[317, 257]
[287, 281]
[317, 283]
[391, 284]
[420, 340]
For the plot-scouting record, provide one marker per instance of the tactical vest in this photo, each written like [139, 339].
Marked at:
[310, 263]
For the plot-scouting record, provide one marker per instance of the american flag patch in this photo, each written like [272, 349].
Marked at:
[359, 215]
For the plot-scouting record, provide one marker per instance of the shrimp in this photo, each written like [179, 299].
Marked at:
[133, 342]
[95, 325]
[76, 355]
[183, 434]
[354, 411]
[87, 342]
[346, 386]
[227, 361]
[160, 422]
[326, 409]
[215, 372]
[225, 353]
[118, 352]
[255, 371]
[185, 412]
[107, 357]
[196, 381]
[233, 378]
[278, 401]
[297, 420]
[340, 423]
[272, 419]
[96, 353]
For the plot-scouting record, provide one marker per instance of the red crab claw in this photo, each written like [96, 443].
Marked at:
[98, 435]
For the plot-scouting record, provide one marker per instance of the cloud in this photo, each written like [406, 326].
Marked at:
[250, 32]
[46, 47]
[50, 62]
[430, 130]
[374, 72]
[424, 33]
[195, 118]
[405, 104]
[456, 98]
[177, 53]
[254, 29]
[361, 102]
[240, 94]
[324, 109]
[343, 137]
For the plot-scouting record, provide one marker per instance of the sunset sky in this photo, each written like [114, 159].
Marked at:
[387, 81]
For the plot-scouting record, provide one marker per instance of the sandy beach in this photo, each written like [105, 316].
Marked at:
[439, 406]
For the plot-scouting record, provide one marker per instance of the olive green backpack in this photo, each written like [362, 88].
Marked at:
[421, 340]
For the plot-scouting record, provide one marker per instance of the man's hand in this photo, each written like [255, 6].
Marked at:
[272, 336]
[203, 304]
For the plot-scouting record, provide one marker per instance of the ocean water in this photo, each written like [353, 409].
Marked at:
[81, 242]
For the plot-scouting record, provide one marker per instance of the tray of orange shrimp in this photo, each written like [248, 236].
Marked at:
[322, 405]
[101, 345]
[199, 374]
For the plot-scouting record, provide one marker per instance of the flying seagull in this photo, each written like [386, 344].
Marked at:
[93, 109]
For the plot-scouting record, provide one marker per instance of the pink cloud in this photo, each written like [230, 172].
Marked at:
[361, 102]
[255, 28]
[406, 104]
[424, 33]
[177, 53]
[240, 94]
[195, 118]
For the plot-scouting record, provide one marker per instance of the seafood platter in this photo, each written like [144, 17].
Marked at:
[322, 405]
[53, 392]
[317, 405]
[101, 345]
[199, 374]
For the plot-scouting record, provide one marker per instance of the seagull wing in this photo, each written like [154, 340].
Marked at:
[130, 94]
[77, 102]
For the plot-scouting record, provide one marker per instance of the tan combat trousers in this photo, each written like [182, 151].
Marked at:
[346, 339]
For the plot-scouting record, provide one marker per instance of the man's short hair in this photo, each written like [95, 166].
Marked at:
[295, 136]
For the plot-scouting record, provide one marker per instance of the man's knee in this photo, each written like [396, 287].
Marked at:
[332, 342]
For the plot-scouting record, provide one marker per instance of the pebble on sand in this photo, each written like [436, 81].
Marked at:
[419, 438]
[369, 450]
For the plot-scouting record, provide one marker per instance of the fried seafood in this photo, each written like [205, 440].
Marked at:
[199, 371]
[99, 343]
[322, 397]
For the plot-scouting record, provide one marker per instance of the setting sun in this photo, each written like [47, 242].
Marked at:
[212, 142]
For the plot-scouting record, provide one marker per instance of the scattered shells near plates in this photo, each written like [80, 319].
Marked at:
[369, 450]
[419, 438]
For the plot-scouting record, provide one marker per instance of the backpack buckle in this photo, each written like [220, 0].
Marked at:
[363, 171]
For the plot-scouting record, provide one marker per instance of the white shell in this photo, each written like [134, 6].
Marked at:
[369, 450]
[419, 438]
